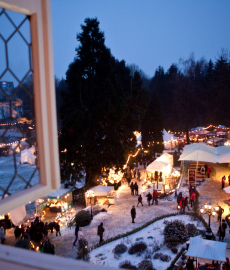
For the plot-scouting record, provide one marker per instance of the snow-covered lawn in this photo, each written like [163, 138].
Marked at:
[152, 234]
[7, 172]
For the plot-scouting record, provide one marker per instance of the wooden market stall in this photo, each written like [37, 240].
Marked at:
[102, 195]
[60, 200]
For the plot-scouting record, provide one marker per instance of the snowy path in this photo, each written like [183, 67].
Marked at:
[116, 221]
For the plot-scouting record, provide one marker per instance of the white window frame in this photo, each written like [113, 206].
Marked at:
[45, 102]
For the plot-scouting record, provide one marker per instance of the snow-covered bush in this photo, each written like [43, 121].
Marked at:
[175, 233]
[148, 254]
[156, 247]
[145, 265]
[120, 249]
[138, 247]
[162, 257]
[83, 218]
[156, 256]
[127, 265]
[165, 258]
[174, 250]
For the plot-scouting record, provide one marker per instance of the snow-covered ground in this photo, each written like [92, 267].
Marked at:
[152, 234]
[7, 172]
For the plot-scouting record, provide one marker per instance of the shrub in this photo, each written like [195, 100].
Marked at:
[138, 247]
[145, 265]
[127, 265]
[165, 258]
[174, 250]
[148, 254]
[83, 251]
[157, 256]
[120, 249]
[156, 247]
[175, 232]
[83, 218]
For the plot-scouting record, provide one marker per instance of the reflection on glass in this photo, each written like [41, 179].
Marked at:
[18, 151]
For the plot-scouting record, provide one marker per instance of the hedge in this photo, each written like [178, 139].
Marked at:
[198, 216]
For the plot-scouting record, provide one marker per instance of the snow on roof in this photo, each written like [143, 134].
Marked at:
[102, 190]
[167, 137]
[207, 249]
[59, 192]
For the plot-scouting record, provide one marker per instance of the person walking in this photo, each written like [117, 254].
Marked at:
[136, 188]
[17, 232]
[132, 188]
[208, 171]
[229, 179]
[186, 203]
[155, 195]
[222, 228]
[220, 212]
[133, 213]
[76, 234]
[179, 199]
[2, 235]
[182, 205]
[192, 197]
[223, 181]
[149, 198]
[134, 172]
[138, 175]
[100, 232]
[139, 200]
[57, 228]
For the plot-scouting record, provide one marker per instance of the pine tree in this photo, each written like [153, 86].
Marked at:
[99, 110]
[152, 127]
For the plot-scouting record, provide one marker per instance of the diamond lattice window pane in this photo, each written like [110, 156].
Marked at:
[25, 30]
[19, 62]
[18, 151]
[6, 27]
[2, 56]
[17, 18]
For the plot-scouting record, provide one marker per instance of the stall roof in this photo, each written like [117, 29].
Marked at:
[102, 190]
[207, 249]
[157, 166]
[203, 152]
[59, 192]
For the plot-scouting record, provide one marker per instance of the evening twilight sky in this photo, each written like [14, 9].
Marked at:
[147, 33]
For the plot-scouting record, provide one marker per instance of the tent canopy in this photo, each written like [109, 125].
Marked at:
[167, 137]
[206, 153]
[59, 193]
[157, 166]
[207, 249]
[167, 158]
[101, 190]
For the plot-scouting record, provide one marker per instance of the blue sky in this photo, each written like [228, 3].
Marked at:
[148, 33]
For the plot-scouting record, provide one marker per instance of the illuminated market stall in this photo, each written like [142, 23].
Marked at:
[60, 200]
[102, 195]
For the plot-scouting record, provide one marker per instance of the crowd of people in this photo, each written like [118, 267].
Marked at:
[36, 232]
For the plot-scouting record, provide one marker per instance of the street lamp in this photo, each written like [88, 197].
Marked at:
[90, 194]
[207, 209]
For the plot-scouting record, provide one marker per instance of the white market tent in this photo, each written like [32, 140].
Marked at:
[28, 156]
[169, 139]
[206, 153]
[167, 158]
[163, 164]
[157, 166]
[207, 251]
[18, 215]
[102, 190]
